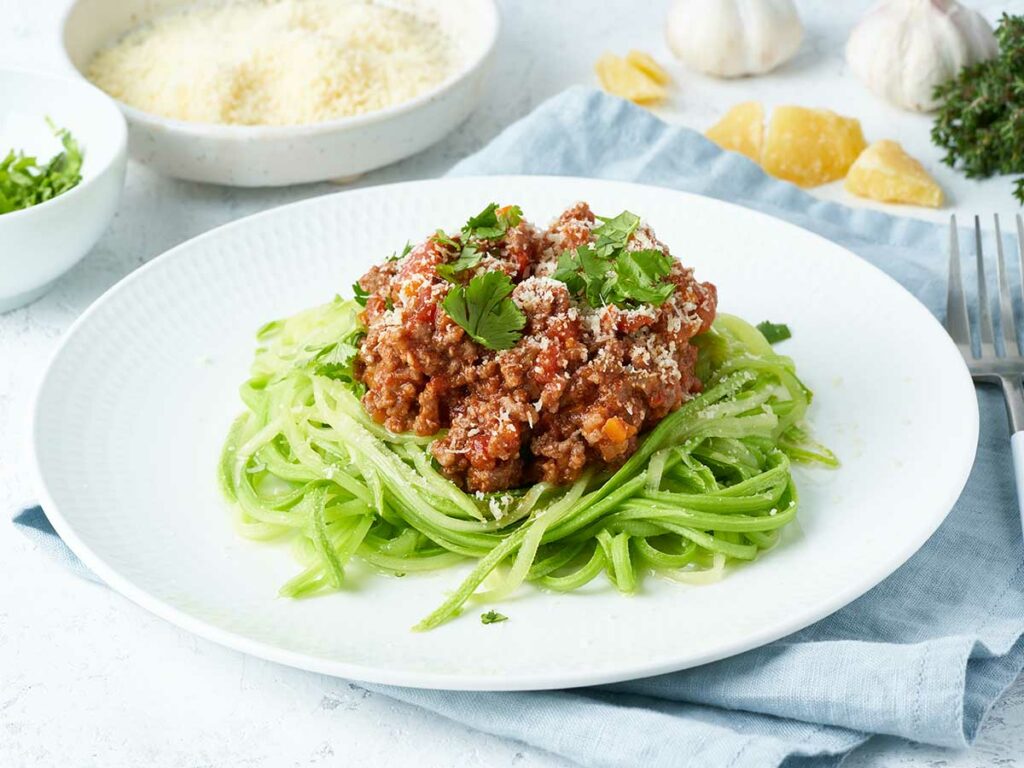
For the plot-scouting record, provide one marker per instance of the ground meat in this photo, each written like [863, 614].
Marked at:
[577, 390]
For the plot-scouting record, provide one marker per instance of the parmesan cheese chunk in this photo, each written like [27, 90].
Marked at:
[274, 62]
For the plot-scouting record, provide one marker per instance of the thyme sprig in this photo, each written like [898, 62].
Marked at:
[980, 122]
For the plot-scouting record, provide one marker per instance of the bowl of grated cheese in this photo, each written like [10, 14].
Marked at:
[257, 93]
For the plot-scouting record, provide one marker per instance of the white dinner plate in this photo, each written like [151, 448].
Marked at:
[135, 405]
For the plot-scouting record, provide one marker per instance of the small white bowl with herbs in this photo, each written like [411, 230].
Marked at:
[62, 164]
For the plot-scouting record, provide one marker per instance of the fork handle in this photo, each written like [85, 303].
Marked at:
[1013, 393]
[1017, 445]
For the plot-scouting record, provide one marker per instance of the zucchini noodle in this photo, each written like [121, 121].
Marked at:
[710, 484]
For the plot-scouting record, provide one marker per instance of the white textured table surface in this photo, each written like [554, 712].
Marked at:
[88, 679]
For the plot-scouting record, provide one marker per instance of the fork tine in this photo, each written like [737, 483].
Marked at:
[1006, 320]
[957, 322]
[988, 347]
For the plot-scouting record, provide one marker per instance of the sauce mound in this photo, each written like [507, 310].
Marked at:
[576, 390]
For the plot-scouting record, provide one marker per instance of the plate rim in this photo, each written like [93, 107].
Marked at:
[429, 680]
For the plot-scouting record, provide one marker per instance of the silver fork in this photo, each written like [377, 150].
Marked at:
[996, 364]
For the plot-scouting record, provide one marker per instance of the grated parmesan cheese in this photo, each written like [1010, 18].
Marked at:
[274, 62]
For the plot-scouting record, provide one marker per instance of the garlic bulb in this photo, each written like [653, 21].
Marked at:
[731, 38]
[902, 49]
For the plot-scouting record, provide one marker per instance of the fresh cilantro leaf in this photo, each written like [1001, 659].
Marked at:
[596, 273]
[638, 278]
[337, 361]
[24, 183]
[405, 252]
[509, 216]
[360, 294]
[606, 273]
[492, 222]
[568, 272]
[441, 237]
[492, 617]
[615, 232]
[485, 221]
[585, 271]
[468, 259]
[484, 310]
[774, 332]
[631, 277]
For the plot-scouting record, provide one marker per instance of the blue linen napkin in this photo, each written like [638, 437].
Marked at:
[924, 655]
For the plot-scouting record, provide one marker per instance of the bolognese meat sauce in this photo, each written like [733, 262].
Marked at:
[576, 389]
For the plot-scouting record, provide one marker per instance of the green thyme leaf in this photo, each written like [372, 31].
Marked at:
[492, 617]
[24, 183]
[774, 332]
[485, 312]
[980, 120]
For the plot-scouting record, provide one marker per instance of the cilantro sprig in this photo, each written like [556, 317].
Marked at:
[337, 361]
[774, 332]
[606, 273]
[492, 222]
[615, 232]
[360, 294]
[488, 225]
[24, 183]
[485, 311]
[468, 258]
[396, 256]
[638, 278]
[492, 617]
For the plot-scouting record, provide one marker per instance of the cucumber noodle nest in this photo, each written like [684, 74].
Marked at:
[709, 484]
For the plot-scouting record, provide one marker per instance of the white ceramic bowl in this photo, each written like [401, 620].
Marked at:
[39, 244]
[256, 156]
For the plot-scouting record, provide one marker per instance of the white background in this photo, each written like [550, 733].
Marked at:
[88, 679]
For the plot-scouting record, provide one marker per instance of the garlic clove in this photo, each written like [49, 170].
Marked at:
[902, 49]
[733, 38]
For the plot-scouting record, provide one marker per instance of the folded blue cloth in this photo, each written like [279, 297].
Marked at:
[923, 655]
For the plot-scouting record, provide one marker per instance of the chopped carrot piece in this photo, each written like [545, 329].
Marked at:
[615, 429]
